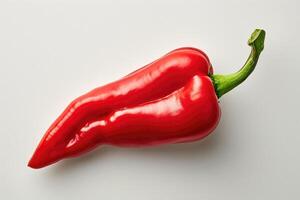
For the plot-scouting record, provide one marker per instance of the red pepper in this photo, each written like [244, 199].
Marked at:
[171, 100]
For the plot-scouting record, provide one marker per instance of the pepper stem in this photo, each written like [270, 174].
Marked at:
[225, 83]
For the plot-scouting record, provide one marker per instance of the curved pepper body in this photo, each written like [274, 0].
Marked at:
[171, 100]
[168, 101]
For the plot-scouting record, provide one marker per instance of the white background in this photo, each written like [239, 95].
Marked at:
[54, 51]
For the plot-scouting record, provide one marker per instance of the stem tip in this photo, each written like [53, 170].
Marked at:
[225, 83]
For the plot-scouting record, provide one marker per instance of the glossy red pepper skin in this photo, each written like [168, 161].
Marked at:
[168, 101]
[172, 100]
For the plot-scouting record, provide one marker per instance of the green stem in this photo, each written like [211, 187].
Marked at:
[225, 83]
